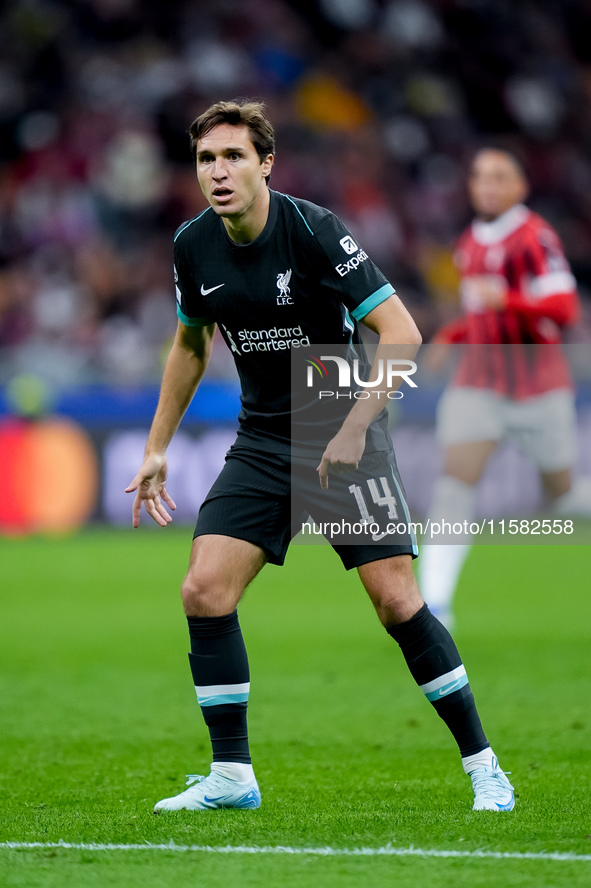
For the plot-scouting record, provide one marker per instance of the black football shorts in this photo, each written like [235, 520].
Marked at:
[268, 498]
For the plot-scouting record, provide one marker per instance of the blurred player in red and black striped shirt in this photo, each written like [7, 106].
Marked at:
[517, 294]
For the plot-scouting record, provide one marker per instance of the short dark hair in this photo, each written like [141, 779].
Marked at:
[238, 112]
[510, 153]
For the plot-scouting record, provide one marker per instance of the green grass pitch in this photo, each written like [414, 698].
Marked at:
[98, 720]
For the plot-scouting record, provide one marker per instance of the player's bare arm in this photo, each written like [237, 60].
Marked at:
[395, 328]
[184, 369]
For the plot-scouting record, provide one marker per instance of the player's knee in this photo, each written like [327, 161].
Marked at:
[394, 609]
[396, 602]
[392, 588]
[203, 594]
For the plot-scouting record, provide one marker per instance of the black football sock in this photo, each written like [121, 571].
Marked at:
[222, 680]
[436, 666]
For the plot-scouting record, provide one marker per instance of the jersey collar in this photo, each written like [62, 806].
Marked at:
[487, 233]
[265, 234]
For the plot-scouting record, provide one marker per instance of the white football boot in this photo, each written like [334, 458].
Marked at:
[213, 791]
[492, 790]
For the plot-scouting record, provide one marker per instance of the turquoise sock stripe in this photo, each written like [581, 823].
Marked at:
[218, 695]
[446, 684]
[447, 689]
[220, 699]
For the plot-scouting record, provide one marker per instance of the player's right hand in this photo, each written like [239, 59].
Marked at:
[342, 454]
[150, 487]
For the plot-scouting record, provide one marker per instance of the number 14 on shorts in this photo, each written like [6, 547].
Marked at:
[385, 498]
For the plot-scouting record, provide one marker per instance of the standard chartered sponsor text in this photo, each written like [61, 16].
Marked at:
[273, 339]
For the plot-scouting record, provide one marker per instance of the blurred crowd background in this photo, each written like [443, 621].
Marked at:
[378, 106]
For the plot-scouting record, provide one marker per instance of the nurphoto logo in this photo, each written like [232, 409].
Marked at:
[388, 371]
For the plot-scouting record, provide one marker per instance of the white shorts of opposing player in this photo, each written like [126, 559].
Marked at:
[544, 429]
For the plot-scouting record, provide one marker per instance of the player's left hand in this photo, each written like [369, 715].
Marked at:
[150, 489]
[342, 454]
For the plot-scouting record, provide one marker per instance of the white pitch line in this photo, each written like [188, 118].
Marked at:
[386, 851]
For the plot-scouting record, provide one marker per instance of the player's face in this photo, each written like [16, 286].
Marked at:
[495, 184]
[230, 171]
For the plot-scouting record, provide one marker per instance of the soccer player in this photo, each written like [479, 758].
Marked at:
[517, 290]
[277, 274]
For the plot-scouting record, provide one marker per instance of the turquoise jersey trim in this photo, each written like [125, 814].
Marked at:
[190, 222]
[349, 323]
[413, 537]
[193, 322]
[300, 212]
[373, 301]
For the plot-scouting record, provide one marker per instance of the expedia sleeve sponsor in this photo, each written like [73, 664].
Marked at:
[349, 271]
[352, 263]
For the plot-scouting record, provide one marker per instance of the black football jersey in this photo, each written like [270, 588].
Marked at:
[303, 281]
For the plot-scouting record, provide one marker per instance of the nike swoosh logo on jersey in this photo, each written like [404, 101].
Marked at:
[379, 536]
[204, 292]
